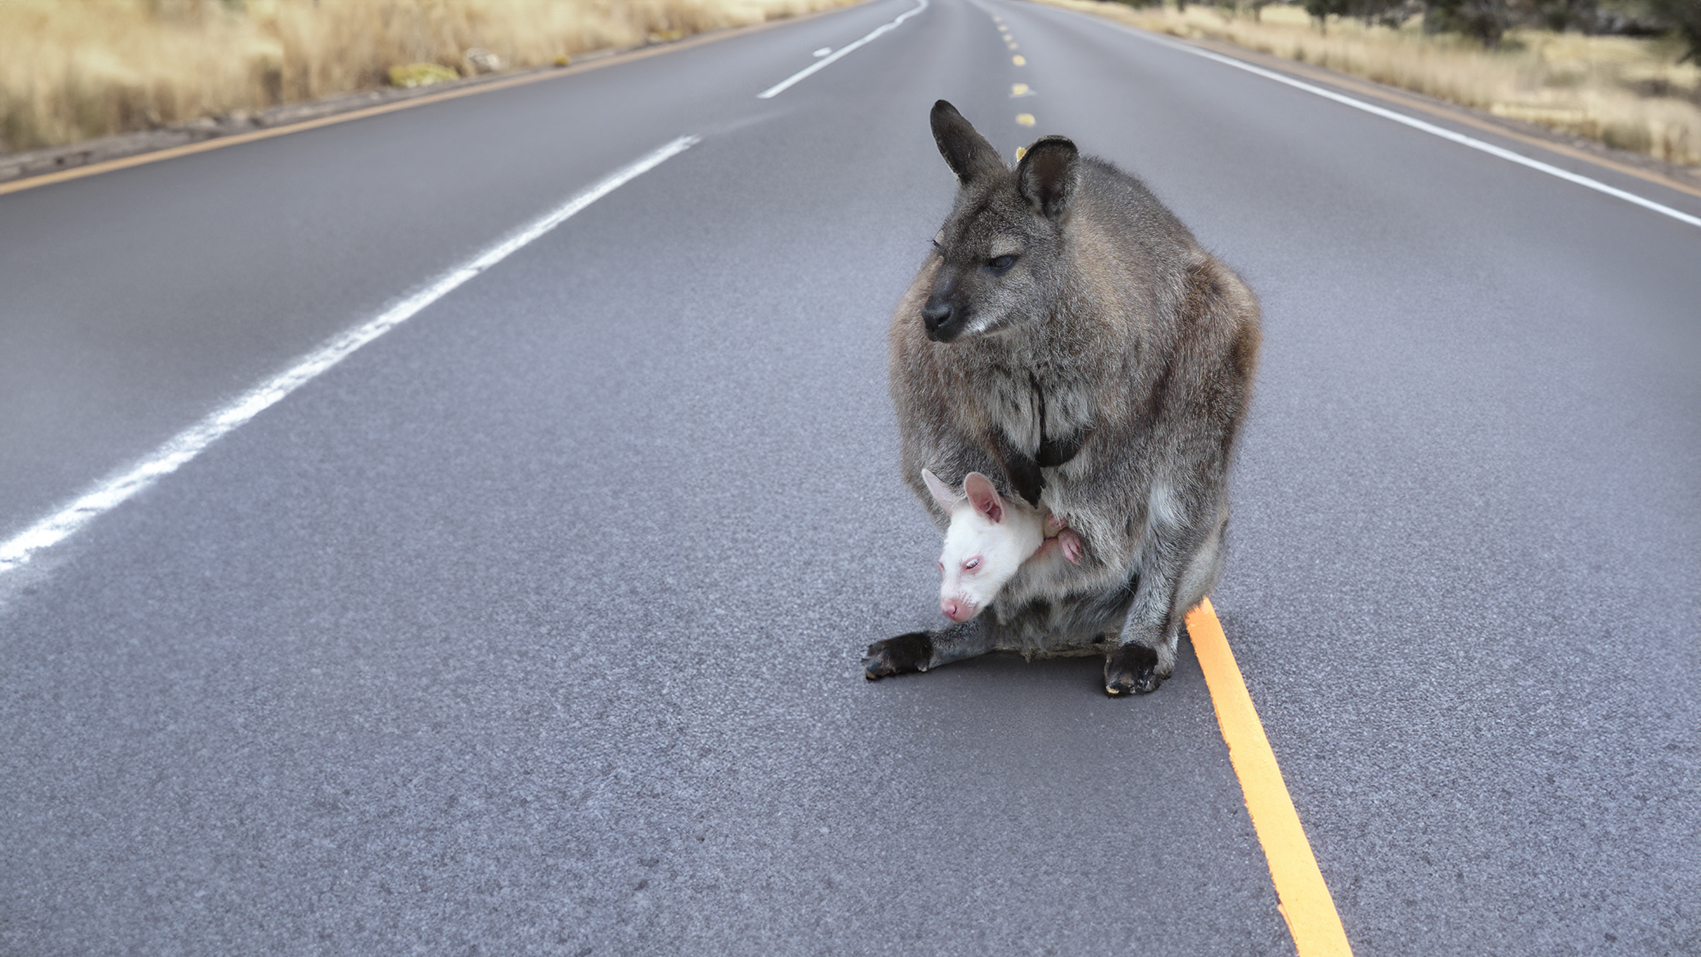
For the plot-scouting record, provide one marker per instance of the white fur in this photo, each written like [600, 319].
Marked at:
[987, 541]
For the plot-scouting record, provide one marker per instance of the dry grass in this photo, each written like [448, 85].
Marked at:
[75, 69]
[1627, 93]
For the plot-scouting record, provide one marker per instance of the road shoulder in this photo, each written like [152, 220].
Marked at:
[32, 168]
[1684, 179]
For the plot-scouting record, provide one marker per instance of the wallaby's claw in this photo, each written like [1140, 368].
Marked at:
[894, 656]
[1131, 669]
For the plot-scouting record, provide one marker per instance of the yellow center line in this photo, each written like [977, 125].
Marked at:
[1301, 895]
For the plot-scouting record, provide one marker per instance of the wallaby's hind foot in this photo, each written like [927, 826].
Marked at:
[1132, 669]
[895, 656]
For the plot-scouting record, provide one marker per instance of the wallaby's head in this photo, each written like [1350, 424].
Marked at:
[987, 540]
[1001, 250]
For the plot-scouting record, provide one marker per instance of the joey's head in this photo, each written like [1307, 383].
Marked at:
[1001, 249]
[988, 539]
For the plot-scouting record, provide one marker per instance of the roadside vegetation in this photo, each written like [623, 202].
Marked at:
[1627, 75]
[76, 69]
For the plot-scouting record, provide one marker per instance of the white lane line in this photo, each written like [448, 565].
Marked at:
[186, 445]
[786, 83]
[1432, 129]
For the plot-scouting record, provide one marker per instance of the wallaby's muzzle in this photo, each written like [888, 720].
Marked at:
[942, 319]
[934, 316]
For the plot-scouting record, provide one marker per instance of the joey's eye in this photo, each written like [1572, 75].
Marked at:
[1001, 265]
[971, 564]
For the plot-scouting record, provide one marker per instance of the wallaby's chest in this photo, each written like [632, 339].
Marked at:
[1042, 411]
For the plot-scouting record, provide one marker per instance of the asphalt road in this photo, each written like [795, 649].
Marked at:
[535, 625]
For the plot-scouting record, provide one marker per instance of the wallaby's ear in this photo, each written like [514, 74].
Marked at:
[1047, 175]
[984, 497]
[942, 493]
[967, 152]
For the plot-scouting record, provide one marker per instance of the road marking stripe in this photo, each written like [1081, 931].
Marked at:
[186, 445]
[1429, 128]
[810, 70]
[1407, 100]
[1301, 894]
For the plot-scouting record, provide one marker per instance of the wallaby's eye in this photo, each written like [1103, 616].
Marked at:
[1001, 265]
[971, 564]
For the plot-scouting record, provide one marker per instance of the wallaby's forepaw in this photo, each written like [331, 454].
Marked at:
[1132, 669]
[894, 656]
[1071, 545]
[1065, 543]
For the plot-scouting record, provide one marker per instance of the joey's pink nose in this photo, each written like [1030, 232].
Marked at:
[957, 609]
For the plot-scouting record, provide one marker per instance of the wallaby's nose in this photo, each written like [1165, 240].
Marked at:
[936, 313]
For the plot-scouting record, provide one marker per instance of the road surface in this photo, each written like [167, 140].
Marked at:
[534, 625]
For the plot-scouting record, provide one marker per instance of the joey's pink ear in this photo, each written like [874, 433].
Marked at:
[984, 497]
[942, 493]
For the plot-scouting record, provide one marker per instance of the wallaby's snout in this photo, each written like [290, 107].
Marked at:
[936, 313]
[939, 318]
[944, 315]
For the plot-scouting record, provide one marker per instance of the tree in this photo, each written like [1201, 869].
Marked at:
[1562, 15]
[1483, 19]
[1389, 13]
[1322, 10]
[1370, 11]
[1683, 16]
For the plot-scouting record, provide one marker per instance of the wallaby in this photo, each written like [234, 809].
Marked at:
[1069, 338]
[987, 540]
